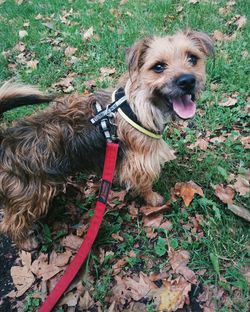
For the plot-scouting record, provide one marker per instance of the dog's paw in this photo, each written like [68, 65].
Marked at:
[30, 244]
[154, 199]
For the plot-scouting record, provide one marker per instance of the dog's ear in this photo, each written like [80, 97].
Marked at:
[202, 41]
[135, 54]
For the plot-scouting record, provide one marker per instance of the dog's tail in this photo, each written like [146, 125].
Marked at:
[13, 95]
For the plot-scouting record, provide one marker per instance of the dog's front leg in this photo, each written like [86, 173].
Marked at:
[138, 173]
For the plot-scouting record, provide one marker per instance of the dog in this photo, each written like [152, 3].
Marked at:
[38, 153]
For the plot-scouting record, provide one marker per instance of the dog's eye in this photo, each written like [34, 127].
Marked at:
[193, 59]
[159, 68]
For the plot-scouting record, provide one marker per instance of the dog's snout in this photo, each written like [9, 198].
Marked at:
[186, 82]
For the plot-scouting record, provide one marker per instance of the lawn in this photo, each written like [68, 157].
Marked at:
[80, 46]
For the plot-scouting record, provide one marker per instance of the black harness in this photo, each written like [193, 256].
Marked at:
[104, 116]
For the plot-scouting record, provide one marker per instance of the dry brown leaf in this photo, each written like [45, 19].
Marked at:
[224, 193]
[245, 142]
[153, 221]
[167, 225]
[149, 210]
[242, 185]
[134, 288]
[186, 190]
[72, 241]
[241, 22]
[240, 211]
[32, 64]
[117, 267]
[106, 71]
[89, 84]
[25, 258]
[22, 278]
[66, 83]
[60, 259]
[201, 143]
[172, 296]
[224, 10]
[178, 260]
[86, 301]
[115, 196]
[117, 237]
[122, 2]
[20, 46]
[88, 34]
[230, 102]
[22, 34]
[69, 51]
[219, 139]
[42, 269]
[70, 299]
[179, 8]
[220, 36]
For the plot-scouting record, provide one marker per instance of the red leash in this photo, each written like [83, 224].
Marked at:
[73, 268]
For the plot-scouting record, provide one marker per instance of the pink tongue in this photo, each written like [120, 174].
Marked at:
[184, 106]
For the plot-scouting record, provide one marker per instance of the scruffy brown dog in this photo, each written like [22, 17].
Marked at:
[38, 153]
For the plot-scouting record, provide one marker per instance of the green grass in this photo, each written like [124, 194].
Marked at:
[223, 249]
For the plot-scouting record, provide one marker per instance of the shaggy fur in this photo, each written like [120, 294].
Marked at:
[39, 152]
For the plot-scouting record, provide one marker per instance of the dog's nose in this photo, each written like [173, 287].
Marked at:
[186, 82]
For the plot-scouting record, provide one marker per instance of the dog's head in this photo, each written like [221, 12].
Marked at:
[171, 70]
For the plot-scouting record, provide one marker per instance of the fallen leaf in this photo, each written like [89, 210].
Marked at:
[72, 241]
[242, 185]
[22, 34]
[70, 299]
[148, 210]
[153, 221]
[178, 260]
[132, 288]
[241, 22]
[230, 102]
[240, 211]
[42, 269]
[32, 64]
[69, 51]
[20, 46]
[167, 225]
[22, 278]
[117, 237]
[179, 8]
[245, 142]
[201, 143]
[224, 193]
[86, 302]
[224, 10]
[26, 258]
[90, 84]
[121, 263]
[220, 36]
[106, 71]
[186, 190]
[172, 296]
[88, 34]
[60, 259]
[219, 139]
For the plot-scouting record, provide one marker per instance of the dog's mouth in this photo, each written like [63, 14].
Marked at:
[184, 106]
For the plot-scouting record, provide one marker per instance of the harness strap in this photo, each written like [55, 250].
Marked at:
[120, 104]
[80, 257]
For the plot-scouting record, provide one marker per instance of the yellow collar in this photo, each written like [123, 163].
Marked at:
[136, 125]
